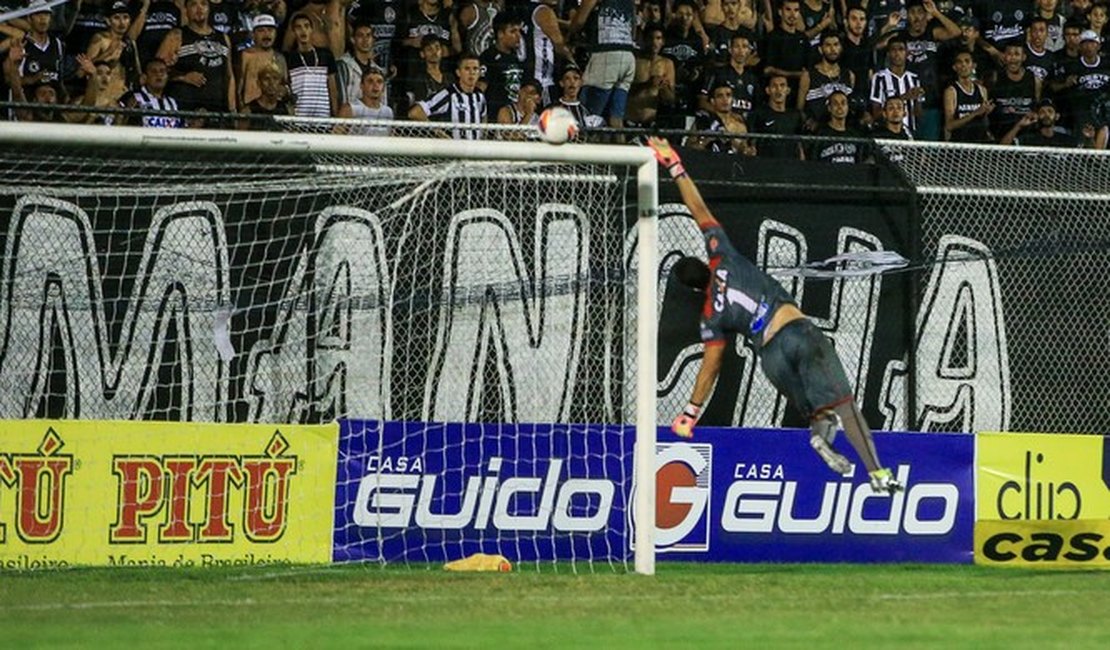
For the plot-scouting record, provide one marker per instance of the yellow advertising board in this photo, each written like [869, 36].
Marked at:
[1052, 476]
[164, 494]
[1042, 500]
[1055, 543]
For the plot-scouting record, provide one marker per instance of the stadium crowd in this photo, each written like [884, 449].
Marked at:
[1029, 72]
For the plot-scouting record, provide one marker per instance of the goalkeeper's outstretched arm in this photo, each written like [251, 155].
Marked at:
[670, 161]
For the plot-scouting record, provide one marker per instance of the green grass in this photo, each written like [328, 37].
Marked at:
[683, 606]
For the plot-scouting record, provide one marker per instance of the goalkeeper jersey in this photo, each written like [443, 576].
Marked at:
[740, 298]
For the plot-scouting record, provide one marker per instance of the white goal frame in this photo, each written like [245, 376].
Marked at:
[64, 136]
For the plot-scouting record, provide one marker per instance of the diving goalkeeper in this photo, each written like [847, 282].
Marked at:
[794, 354]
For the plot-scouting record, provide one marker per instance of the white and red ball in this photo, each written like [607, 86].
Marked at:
[557, 125]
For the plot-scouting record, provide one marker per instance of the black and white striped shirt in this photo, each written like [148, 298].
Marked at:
[308, 80]
[456, 106]
[148, 101]
[885, 84]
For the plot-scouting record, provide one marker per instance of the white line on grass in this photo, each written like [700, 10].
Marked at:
[977, 594]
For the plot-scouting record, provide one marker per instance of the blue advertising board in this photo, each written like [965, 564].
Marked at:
[744, 495]
[437, 492]
[421, 492]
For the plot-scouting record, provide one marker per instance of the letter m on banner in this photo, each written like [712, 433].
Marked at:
[56, 318]
[521, 315]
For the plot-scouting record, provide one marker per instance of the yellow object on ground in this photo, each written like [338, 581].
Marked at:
[480, 562]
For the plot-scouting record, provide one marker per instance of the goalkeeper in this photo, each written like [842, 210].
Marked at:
[795, 355]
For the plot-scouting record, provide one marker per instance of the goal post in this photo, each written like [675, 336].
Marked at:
[103, 181]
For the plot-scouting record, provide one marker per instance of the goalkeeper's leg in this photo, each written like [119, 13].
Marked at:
[821, 435]
[859, 434]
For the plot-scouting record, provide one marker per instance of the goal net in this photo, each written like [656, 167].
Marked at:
[470, 311]
[1019, 243]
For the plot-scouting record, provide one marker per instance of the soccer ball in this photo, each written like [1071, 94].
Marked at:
[557, 125]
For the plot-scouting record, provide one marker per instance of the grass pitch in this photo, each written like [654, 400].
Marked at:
[684, 606]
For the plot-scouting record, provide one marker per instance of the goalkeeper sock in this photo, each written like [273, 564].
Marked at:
[859, 434]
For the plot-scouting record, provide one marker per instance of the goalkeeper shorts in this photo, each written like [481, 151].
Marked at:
[803, 366]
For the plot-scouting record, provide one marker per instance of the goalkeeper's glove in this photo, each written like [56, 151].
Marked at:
[683, 425]
[667, 156]
[882, 480]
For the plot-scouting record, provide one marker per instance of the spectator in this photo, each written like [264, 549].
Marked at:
[1086, 78]
[475, 24]
[1097, 18]
[1002, 19]
[612, 66]
[1054, 21]
[738, 18]
[260, 55]
[720, 119]
[570, 85]
[742, 81]
[201, 76]
[311, 73]
[151, 96]
[525, 110]
[432, 78]
[896, 81]
[358, 60]
[100, 93]
[893, 124]
[369, 104]
[926, 28]
[777, 118]
[966, 105]
[382, 16]
[502, 67]
[160, 18]
[43, 54]
[857, 50]
[272, 100]
[89, 19]
[425, 18]
[821, 80]
[787, 46]
[1038, 58]
[328, 26]
[985, 55]
[227, 19]
[837, 146]
[817, 16]
[652, 98]
[1015, 92]
[542, 44]
[461, 103]
[117, 48]
[1046, 133]
[683, 46]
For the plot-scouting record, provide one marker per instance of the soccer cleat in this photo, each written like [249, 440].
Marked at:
[835, 461]
[882, 480]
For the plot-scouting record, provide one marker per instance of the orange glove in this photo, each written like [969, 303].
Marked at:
[667, 156]
[683, 425]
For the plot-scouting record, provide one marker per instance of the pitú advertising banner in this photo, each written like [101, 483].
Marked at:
[434, 493]
[164, 494]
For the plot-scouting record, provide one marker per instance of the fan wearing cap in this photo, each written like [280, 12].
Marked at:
[43, 53]
[116, 46]
[1086, 78]
[570, 90]
[1037, 128]
[258, 56]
